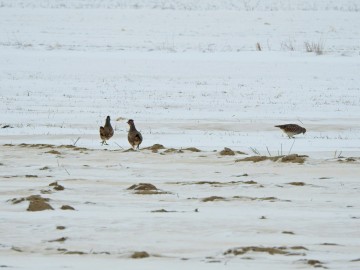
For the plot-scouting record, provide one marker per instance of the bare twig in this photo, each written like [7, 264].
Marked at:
[118, 145]
[268, 151]
[74, 143]
[291, 147]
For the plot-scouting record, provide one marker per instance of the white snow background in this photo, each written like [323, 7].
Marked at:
[191, 75]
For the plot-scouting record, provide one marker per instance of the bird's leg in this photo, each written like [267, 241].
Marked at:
[102, 143]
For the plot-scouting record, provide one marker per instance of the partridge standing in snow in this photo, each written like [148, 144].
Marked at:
[292, 129]
[106, 132]
[134, 136]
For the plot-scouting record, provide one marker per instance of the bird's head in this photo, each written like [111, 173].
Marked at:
[130, 122]
[107, 118]
[304, 130]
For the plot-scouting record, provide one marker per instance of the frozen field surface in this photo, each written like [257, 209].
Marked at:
[191, 75]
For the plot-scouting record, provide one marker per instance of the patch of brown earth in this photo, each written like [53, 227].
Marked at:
[60, 227]
[146, 189]
[155, 148]
[140, 255]
[62, 239]
[192, 149]
[213, 198]
[227, 152]
[287, 232]
[54, 152]
[31, 176]
[173, 150]
[315, 263]
[269, 250]
[214, 183]
[67, 207]
[38, 203]
[39, 206]
[56, 186]
[162, 211]
[294, 158]
[297, 183]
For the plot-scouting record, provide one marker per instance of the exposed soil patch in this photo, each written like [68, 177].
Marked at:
[297, 183]
[140, 255]
[269, 250]
[192, 149]
[213, 198]
[214, 183]
[227, 152]
[129, 150]
[54, 152]
[315, 263]
[61, 239]
[287, 232]
[162, 211]
[294, 158]
[67, 207]
[173, 150]
[56, 186]
[60, 227]
[39, 206]
[155, 148]
[31, 176]
[241, 198]
[146, 189]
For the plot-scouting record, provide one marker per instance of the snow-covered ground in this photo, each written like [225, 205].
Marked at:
[190, 74]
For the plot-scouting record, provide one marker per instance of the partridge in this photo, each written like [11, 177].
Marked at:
[134, 136]
[292, 129]
[106, 132]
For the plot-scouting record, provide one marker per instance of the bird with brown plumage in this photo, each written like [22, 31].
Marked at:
[134, 137]
[106, 132]
[292, 129]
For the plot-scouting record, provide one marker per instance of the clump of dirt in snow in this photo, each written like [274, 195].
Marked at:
[38, 203]
[173, 150]
[54, 152]
[294, 158]
[162, 211]
[269, 250]
[227, 152]
[314, 263]
[67, 207]
[297, 183]
[192, 149]
[56, 186]
[155, 148]
[61, 239]
[146, 189]
[214, 183]
[140, 255]
[213, 198]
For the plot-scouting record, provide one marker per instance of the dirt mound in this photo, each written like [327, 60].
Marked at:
[146, 189]
[192, 149]
[56, 186]
[213, 198]
[37, 203]
[140, 255]
[294, 158]
[227, 152]
[67, 207]
[155, 148]
[269, 250]
[297, 183]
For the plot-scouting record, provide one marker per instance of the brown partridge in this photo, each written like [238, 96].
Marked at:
[134, 137]
[106, 132]
[292, 129]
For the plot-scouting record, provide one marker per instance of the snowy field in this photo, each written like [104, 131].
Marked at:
[192, 74]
